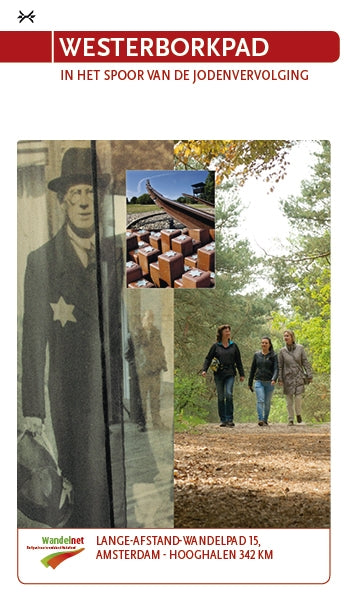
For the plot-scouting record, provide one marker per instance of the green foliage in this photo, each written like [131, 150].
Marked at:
[310, 212]
[313, 333]
[316, 402]
[144, 199]
[245, 158]
[244, 403]
[278, 411]
[186, 423]
[209, 188]
[191, 400]
[311, 317]
[136, 208]
[304, 267]
[187, 200]
[303, 273]
[233, 273]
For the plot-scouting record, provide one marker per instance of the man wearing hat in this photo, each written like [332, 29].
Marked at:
[61, 343]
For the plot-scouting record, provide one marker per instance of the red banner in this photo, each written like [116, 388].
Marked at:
[171, 46]
[25, 46]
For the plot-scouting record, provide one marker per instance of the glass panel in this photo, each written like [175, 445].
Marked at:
[146, 359]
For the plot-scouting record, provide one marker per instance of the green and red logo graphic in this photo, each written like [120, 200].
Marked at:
[53, 560]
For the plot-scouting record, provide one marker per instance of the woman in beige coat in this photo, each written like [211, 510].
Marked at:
[294, 372]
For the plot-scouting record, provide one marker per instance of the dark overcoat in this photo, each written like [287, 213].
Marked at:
[61, 346]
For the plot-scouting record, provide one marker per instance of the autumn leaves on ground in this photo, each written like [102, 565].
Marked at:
[253, 477]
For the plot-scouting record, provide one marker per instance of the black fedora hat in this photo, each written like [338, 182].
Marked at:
[76, 168]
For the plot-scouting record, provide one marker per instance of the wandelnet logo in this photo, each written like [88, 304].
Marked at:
[66, 545]
[53, 560]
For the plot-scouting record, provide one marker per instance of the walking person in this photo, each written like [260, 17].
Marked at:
[151, 362]
[294, 372]
[224, 358]
[264, 370]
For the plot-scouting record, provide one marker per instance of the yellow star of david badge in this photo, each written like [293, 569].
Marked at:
[63, 312]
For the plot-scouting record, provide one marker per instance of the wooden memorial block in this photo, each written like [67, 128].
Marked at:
[182, 244]
[171, 266]
[191, 261]
[141, 283]
[196, 245]
[143, 235]
[155, 240]
[166, 236]
[147, 255]
[212, 233]
[155, 275]
[206, 257]
[132, 241]
[196, 278]
[201, 235]
[133, 271]
[134, 254]
[178, 283]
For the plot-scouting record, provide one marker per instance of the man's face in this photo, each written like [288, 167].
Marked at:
[79, 205]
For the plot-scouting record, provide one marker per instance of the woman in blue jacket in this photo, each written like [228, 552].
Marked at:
[264, 370]
[227, 357]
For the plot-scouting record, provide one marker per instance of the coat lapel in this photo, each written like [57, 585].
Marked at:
[70, 280]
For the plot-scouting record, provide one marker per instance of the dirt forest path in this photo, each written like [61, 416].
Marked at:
[253, 477]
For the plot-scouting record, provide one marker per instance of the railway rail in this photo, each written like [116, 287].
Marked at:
[190, 217]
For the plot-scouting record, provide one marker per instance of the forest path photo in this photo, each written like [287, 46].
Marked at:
[253, 477]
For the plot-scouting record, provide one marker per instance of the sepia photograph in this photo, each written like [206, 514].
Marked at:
[95, 410]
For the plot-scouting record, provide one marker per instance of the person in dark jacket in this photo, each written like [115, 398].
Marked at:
[264, 370]
[228, 358]
[61, 334]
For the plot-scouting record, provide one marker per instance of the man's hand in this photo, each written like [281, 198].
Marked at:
[34, 425]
